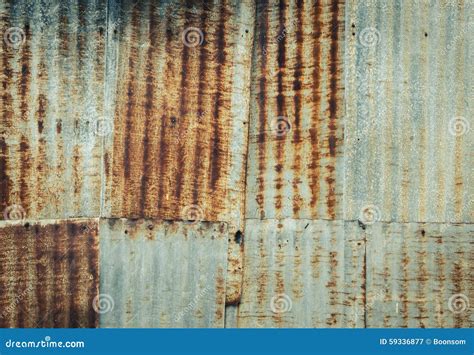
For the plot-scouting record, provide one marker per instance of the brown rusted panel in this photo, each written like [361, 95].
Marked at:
[49, 274]
[51, 98]
[420, 275]
[302, 273]
[174, 138]
[296, 130]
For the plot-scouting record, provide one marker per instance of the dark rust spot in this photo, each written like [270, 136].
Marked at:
[5, 181]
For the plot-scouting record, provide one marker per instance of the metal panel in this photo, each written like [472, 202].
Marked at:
[302, 273]
[420, 275]
[296, 130]
[408, 147]
[162, 274]
[51, 98]
[48, 274]
[182, 76]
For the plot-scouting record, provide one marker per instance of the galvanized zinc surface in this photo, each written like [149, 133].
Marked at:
[350, 121]
[302, 274]
[177, 130]
[419, 275]
[296, 111]
[162, 274]
[52, 65]
[409, 92]
[49, 273]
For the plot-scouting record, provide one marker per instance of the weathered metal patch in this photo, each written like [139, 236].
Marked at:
[409, 135]
[179, 141]
[302, 273]
[162, 274]
[48, 274]
[419, 275]
[51, 99]
[296, 131]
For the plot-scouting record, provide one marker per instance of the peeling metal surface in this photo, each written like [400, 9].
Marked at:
[49, 274]
[302, 273]
[162, 274]
[409, 135]
[176, 109]
[296, 130]
[51, 98]
[419, 275]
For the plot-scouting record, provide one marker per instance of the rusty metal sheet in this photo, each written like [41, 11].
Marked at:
[162, 274]
[51, 107]
[409, 135]
[180, 128]
[302, 273]
[49, 273]
[296, 130]
[419, 275]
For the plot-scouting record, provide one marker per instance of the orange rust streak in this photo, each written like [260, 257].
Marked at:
[216, 146]
[199, 148]
[262, 103]
[298, 74]
[148, 109]
[314, 168]
[333, 105]
[129, 115]
[281, 107]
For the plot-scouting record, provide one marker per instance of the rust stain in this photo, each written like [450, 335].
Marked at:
[34, 127]
[172, 138]
[262, 38]
[49, 274]
[304, 158]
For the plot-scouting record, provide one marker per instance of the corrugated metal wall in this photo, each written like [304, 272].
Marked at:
[236, 163]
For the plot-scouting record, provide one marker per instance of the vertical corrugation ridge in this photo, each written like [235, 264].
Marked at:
[281, 107]
[333, 106]
[262, 33]
[216, 147]
[297, 101]
[148, 109]
[314, 167]
[199, 148]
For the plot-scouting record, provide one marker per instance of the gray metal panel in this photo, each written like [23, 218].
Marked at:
[302, 273]
[162, 274]
[51, 106]
[420, 275]
[408, 127]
